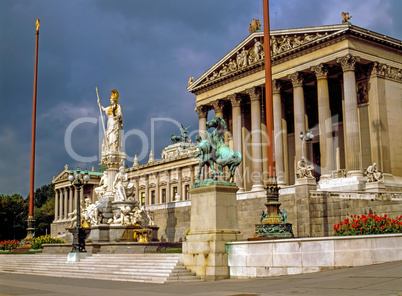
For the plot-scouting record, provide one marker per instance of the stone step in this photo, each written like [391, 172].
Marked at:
[109, 277]
[150, 268]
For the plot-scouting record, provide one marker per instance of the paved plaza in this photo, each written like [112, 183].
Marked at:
[380, 280]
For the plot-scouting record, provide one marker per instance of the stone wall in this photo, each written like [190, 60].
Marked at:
[327, 209]
[312, 213]
[250, 259]
[173, 219]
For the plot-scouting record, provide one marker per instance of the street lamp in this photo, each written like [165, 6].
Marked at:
[15, 218]
[306, 138]
[78, 180]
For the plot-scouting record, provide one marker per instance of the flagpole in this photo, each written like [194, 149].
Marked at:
[31, 221]
[268, 93]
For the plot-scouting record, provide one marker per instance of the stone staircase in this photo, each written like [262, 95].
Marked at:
[147, 268]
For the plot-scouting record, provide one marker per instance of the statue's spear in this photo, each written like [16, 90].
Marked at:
[101, 115]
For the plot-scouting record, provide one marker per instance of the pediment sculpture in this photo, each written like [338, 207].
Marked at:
[253, 53]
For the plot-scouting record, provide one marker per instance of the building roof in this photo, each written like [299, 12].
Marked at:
[289, 41]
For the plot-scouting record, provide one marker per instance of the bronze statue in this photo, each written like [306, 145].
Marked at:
[346, 17]
[254, 26]
[213, 150]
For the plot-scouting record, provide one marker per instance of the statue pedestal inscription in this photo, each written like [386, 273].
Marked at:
[213, 223]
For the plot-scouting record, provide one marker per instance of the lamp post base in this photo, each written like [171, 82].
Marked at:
[76, 256]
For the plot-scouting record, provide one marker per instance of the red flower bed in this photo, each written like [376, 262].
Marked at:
[9, 244]
[370, 224]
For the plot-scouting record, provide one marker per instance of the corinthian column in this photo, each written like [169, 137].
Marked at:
[147, 201]
[351, 120]
[179, 183]
[235, 99]
[298, 111]
[278, 140]
[257, 176]
[137, 187]
[56, 204]
[66, 198]
[327, 160]
[202, 119]
[218, 107]
[62, 195]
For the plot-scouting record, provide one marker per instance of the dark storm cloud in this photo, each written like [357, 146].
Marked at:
[145, 49]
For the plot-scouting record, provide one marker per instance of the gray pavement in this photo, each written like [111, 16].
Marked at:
[380, 280]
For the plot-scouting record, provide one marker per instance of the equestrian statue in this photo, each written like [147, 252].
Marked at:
[213, 150]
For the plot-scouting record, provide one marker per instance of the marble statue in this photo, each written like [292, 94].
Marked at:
[122, 187]
[374, 174]
[274, 44]
[90, 213]
[232, 65]
[127, 216]
[114, 122]
[102, 188]
[72, 217]
[303, 169]
[257, 50]
[213, 150]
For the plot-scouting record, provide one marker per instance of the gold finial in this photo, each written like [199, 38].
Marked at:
[254, 26]
[37, 23]
[346, 18]
[190, 80]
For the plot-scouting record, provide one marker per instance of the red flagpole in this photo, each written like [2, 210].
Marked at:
[31, 221]
[268, 91]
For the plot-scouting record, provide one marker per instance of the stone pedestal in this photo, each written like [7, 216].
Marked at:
[301, 226]
[213, 223]
[105, 233]
[374, 187]
[350, 183]
[306, 181]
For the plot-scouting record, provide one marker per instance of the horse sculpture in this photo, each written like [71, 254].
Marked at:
[213, 150]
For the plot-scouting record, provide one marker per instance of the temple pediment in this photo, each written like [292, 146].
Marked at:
[63, 176]
[249, 54]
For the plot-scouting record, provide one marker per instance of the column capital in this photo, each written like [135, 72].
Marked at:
[321, 71]
[254, 93]
[218, 105]
[297, 79]
[276, 86]
[235, 99]
[202, 111]
[348, 62]
[378, 69]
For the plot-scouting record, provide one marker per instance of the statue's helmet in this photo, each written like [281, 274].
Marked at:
[115, 95]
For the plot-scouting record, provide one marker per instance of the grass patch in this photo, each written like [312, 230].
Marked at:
[23, 252]
[172, 250]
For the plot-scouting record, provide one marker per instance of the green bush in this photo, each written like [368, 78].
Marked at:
[366, 225]
[45, 239]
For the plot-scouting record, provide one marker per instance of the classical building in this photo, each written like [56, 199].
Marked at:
[342, 82]
[66, 199]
